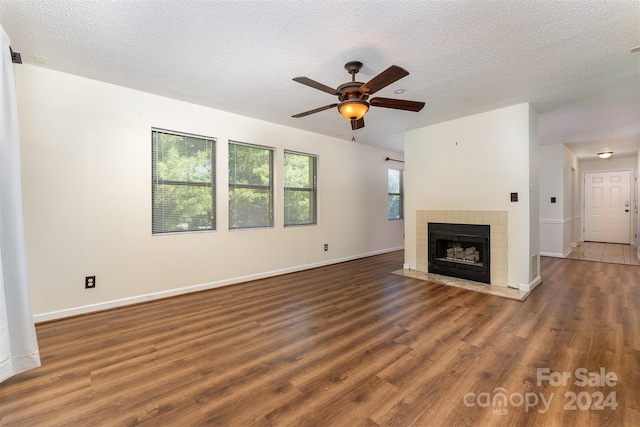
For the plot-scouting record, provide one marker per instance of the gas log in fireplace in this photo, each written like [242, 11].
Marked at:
[460, 250]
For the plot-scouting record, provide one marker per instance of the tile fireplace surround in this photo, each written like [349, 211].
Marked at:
[497, 220]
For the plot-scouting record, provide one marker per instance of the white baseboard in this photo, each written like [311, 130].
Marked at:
[553, 254]
[531, 286]
[557, 254]
[76, 311]
[575, 244]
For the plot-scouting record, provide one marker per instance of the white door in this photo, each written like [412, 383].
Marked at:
[607, 207]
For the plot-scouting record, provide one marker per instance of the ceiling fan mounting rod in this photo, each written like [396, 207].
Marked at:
[353, 67]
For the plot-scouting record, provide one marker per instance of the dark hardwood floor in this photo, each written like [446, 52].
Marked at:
[347, 345]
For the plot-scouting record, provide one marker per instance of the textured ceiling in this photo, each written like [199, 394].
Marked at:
[571, 60]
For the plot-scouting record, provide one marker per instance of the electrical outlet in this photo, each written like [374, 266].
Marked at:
[326, 247]
[90, 282]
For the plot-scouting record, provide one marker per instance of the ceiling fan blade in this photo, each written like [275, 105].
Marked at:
[398, 104]
[317, 110]
[357, 124]
[314, 84]
[384, 79]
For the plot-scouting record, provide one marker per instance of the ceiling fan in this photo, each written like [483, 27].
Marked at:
[353, 95]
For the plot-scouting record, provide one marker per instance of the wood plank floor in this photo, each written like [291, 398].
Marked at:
[345, 345]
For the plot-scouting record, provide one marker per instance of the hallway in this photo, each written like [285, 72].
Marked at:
[605, 252]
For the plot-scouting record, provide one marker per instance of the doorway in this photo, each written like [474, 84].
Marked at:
[607, 208]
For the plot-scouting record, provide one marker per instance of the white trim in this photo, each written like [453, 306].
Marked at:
[75, 311]
[531, 286]
[559, 255]
[552, 254]
[555, 221]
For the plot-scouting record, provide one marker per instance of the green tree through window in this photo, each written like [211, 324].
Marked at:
[250, 186]
[183, 188]
[394, 206]
[300, 191]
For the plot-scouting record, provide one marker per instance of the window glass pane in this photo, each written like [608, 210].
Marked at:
[298, 170]
[250, 208]
[299, 207]
[394, 207]
[394, 181]
[250, 186]
[249, 165]
[300, 189]
[394, 189]
[183, 191]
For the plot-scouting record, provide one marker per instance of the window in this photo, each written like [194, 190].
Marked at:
[183, 187]
[250, 186]
[300, 191]
[395, 194]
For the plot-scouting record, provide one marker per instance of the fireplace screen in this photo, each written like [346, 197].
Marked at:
[460, 250]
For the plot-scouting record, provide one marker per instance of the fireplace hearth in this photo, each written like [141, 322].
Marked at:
[460, 250]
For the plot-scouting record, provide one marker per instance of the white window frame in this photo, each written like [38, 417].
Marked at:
[233, 185]
[157, 182]
[313, 190]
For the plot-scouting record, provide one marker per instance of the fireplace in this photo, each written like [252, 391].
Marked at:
[460, 250]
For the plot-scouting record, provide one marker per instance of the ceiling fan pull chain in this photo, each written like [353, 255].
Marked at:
[354, 134]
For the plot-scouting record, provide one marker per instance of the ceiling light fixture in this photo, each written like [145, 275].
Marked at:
[353, 95]
[398, 91]
[353, 109]
[605, 154]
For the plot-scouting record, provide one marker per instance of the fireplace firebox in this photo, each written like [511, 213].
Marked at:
[460, 250]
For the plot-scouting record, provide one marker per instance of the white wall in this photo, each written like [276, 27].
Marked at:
[534, 201]
[572, 231]
[557, 219]
[474, 163]
[86, 167]
[613, 164]
[551, 214]
[636, 195]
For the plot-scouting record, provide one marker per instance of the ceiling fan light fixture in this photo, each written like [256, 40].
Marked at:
[354, 109]
[605, 154]
[352, 96]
